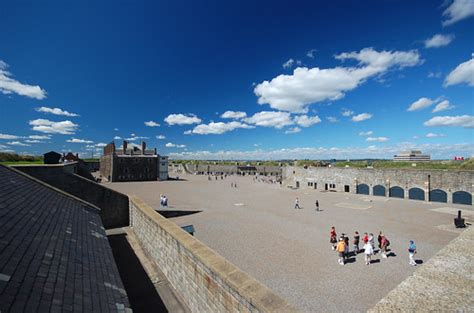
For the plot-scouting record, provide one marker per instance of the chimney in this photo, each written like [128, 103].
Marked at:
[77, 155]
[124, 147]
[155, 152]
[143, 147]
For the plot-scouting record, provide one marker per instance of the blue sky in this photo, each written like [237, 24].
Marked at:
[299, 79]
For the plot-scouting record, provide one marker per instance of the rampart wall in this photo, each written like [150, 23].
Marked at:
[113, 204]
[205, 280]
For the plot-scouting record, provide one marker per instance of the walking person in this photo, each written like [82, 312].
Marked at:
[383, 245]
[372, 242]
[165, 201]
[368, 251]
[412, 252]
[346, 246]
[341, 248]
[365, 238]
[355, 243]
[333, 237]
[297, 203]
[317, 205]
[379, 239]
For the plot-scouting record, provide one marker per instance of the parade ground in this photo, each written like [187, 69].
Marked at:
[256, 227]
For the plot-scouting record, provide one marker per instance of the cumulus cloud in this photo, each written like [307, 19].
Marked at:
[9, 137]
[40, 137]
[76, 140]
[307, 121]
[367, 133]
[433, 135]
[161, 137]
[218, 128]
[439, 40]
[294, 93]
[420, 104]
[50, 127]
[55, 111]
[332, 119]
[377, 139]
[463, 73]
[18, 143]
[117, 138]
[270, 119]
[293, 130]
[443, 106]
[8, 85]
[152, 124]
[466, 121]
[182, 119]
[458, 10]
[347, 113]
[234, 114]
[289, 63]
[33, 141]
[310, 53]
[172, 145]
[135, 137]
[361, 117]
[100, 145]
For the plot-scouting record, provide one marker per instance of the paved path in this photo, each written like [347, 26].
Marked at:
[255, 227]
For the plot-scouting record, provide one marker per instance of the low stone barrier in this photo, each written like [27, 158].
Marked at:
[203, 279]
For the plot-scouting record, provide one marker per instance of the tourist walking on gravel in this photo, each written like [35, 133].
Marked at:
[379, 239]
[412, 252]
[346, 245]
[368, 251]
[383, 245]
[317, 205]
[372, 241]
[341, 250]
[333, 237]
[355, 243]
[297, 203]
[365, 238]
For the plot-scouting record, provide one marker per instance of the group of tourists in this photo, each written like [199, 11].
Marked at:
[297, 204]
[163, 201]
[341, 246]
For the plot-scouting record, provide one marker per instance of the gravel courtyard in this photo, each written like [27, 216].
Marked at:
[255, 227]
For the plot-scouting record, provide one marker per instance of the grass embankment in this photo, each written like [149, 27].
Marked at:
[16, 159]
[431, 165]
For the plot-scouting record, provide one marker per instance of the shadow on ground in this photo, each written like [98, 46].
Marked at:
[141, 292]
[175, 213]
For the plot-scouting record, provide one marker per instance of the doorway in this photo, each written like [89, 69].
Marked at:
[346, 188]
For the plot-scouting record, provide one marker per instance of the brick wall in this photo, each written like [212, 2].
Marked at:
[203, 279]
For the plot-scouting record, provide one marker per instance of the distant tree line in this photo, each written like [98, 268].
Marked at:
[13, 157]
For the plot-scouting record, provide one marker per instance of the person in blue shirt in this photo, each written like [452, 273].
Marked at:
[412, 252]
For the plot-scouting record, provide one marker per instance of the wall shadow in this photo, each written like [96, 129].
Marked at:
[141, 292]
[175, 213]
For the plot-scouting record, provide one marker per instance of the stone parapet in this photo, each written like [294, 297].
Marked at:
[204, 280]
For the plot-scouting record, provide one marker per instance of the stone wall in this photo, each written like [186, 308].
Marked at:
[113, 204]
[232, 169]
[204, 280]
[349, 179]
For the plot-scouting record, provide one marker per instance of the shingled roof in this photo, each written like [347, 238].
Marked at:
[54, 254]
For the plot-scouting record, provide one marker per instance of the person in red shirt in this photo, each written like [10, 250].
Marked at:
[366, 238]
[333, 237]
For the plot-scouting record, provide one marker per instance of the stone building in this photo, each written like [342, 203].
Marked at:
[411, 156]
[131, 162]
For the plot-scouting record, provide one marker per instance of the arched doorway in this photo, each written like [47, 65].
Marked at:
[397, 192]
[379, 190]
[416, 194]
[438, 195]
[363, 189]
[462, 197]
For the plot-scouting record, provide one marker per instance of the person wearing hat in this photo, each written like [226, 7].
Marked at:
[412, 252]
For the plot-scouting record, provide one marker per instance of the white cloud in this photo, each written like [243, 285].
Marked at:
[420, 104]
[9, 137]
[9, 85]
[172, 145]
[40, 137]
[294, 93]
[332, 119]
[218, 128]
[234, 114]
[152, 124]
[76, 140]
[443, 106]
[182, 119]
[310, 53]
[289, 63]
[433, 135]
[377, 139]
[50, 127]
[117, 138]
[458, 10]
[270, 119]
[367, 133]
[293, 130]
[347, 113]
[361, 117]
[100, 145]
[161, 137]
[439, 40]
[434, 74]
[18, 143]
[55, 111]
[463, 73]
[466, 121]
[116, 129]
[307, 121]
[135, 137]
[33, 141]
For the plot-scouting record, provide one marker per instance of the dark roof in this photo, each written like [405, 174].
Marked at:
[52, 153]
[54, 253]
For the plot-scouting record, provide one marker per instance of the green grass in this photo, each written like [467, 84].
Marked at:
[22, 162]
[432, 165]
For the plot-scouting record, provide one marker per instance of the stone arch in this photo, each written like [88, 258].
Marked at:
[438, 195]
[379, 190]
[462, 197]
[363, 189]
[416, 194]
[396, 192]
